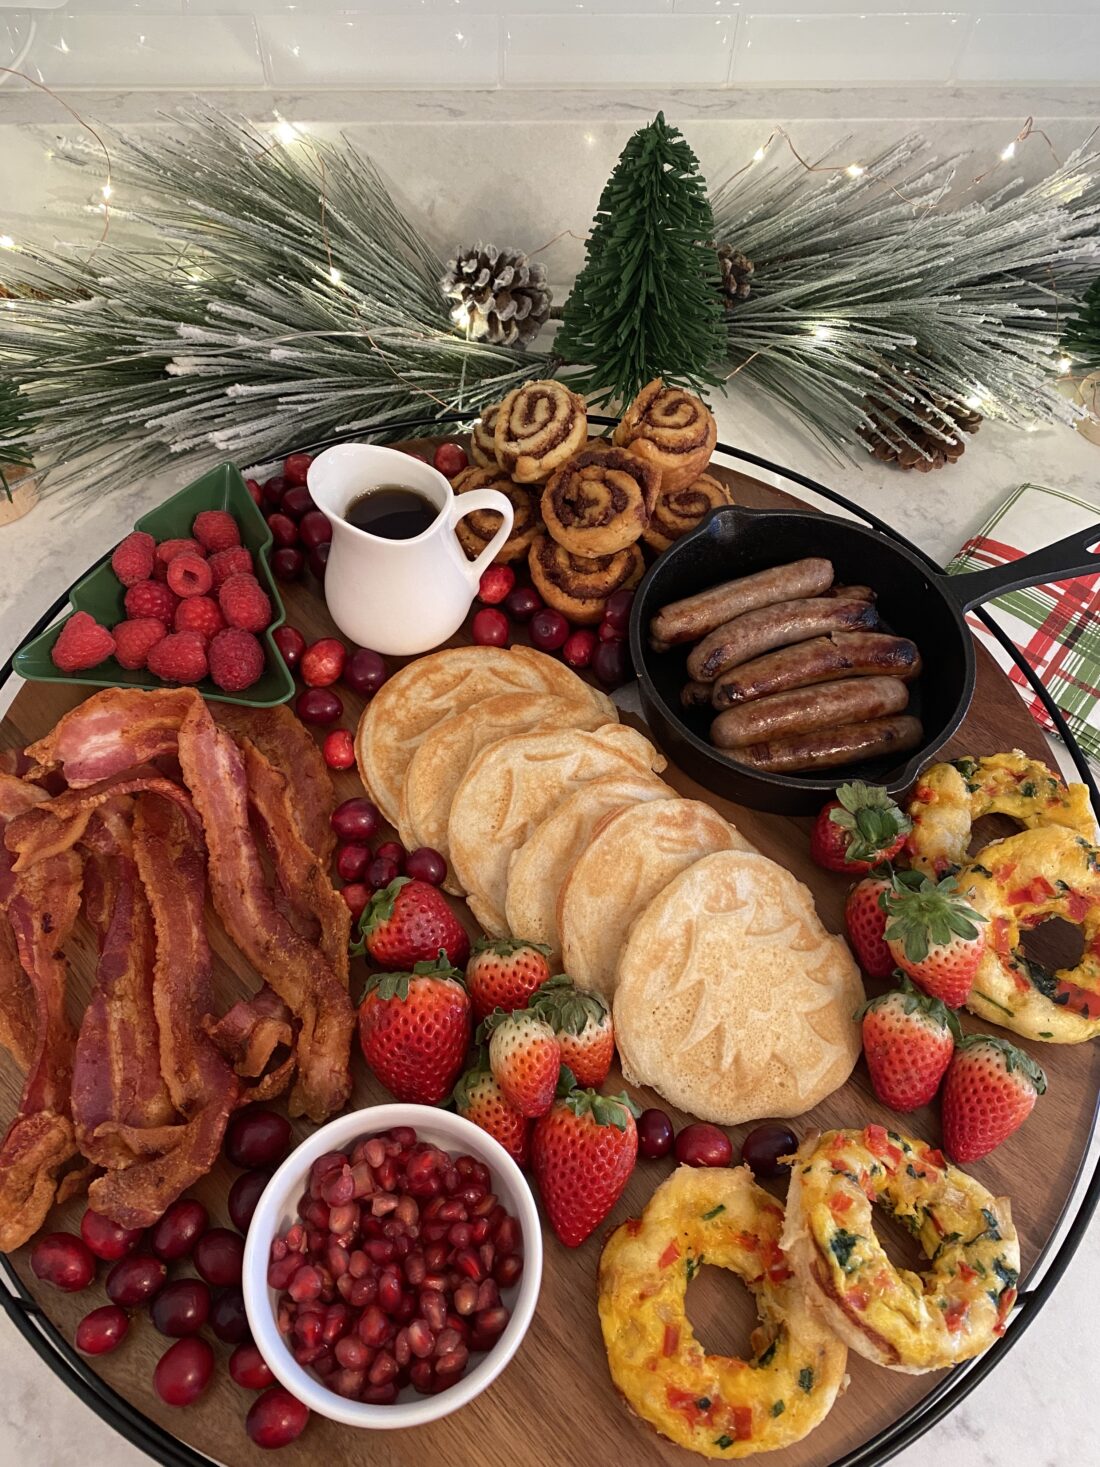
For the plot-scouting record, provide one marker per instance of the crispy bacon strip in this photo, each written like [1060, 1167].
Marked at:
[60, 823]
[287, 744]
[116, 1068]
[41, 905]
[169, 858]
[249, 1035]
[16, 1001]
[14, 761]
[214, 770]
[112, 731]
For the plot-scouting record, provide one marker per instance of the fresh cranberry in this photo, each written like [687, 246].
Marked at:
[135, 1280]
[655, 1134]
[243, 1196]
[392, 850]
[702, 1144]
[256, 1137]
[317, 559]
[288, 564]
[276, 1418]
[219, 1255]
[608, 633]
[616, 612]
[322, 664]
[578, 647]
[490, 628]
[762, 1148]
[297, 502]
[63, 1260]
[365, 672]
[106, 1239]
[522, 603]
[183, 1372]
[549, 630]
[291, 645]
[450, 459]
[609, 663]
[319, 706]
[314, 529]
[351, 861]
[102, 1331]
[356, 895]
[273, 491]
[283, 529]
[182, 1225]
[249, 1368]
[255, 491]
[296, 468]
[358, 819]
[228, 1319]
[181, 1308]
[338, 749]
[424, 864]
[495, 584]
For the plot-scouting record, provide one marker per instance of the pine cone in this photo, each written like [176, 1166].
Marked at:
[499, 295]
[736, 269]
[936, 426]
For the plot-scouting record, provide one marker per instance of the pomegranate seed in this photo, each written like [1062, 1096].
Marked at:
[421, 1339]
[332, 1161]
[435, 1283]
[359, 1265]
[506, 1235]
[415, 1267]
[465, 1297]
[383, 1369]
[488, 1254]
[467, 1262]
[383, 1203]
[433, 1306]
[308, 1328]
[447, 1340]
[506, 1270]
[389, 1291]
[380, 1250]
[344, 1220]
[488, 1295]
[281, 1270]
[375, 1151]
[479, 1230]
[338, 1321]
[453, 1211]
[306, 1284]
[421, 1377]
[459, 1235]
[386, 1175]
[401, 1350]
[379, 1395]
[351, 1353]
[484, 1207]
[338, 1187]
[347, 1383]
[362, 1180]
[374, 1327]
[491, 1322]
[336, 1259]
[407, 1212]
[454, 1362]
[362, 1293]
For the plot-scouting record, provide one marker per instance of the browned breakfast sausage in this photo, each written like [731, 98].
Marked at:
[825, 749]
[695, 695]
[842, 655]
[760, 631]
[851, 593]
[824, 705]
[695, 616]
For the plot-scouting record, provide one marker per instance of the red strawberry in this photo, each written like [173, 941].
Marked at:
[414, 1030]
[934, 935]
[503, 973]
[583, 1152]
[990, 1090]
[525, 1058]
[410, 922]
[865, 918]
[858, 829]
[908, 1041]
[480, 1099]
[82, 643]
[582, 1022]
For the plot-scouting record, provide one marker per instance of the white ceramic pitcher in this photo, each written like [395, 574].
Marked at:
[399, 596]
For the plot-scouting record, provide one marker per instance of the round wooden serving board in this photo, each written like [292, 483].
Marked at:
[555, 1405]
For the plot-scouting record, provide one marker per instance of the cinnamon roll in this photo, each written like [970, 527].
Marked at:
[679, 510]
[475, 530]
[578, 585]
[672, 430]
[482, 449]
[600, 501]
[538, 427]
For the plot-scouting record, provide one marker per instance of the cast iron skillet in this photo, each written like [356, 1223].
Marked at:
[913, 601]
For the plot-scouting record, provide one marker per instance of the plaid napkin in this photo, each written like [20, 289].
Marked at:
[1056, 627]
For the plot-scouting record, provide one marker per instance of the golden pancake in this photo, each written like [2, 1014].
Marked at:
[425, 692]
[447, 751]
[544, 861]
[732, 1000]
[632, 855]
[513, 785]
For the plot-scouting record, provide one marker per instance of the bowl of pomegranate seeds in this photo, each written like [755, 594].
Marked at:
[392, 1266]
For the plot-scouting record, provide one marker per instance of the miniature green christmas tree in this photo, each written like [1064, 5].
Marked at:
[646, 303]
[1082, 336]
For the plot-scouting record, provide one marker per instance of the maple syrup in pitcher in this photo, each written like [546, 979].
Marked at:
[392, 511]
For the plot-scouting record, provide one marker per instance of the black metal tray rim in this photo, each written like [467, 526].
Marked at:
[1073, 1221]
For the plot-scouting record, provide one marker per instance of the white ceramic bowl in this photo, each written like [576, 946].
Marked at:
[277, 1209]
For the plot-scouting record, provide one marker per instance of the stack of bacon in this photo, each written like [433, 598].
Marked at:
[160, 796]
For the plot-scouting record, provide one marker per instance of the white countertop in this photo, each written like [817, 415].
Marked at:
[1038, 1403]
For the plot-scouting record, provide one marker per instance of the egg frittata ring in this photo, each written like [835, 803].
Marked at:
[950, 797]
[716, 1405]
[906, 1321]
[1017, 884]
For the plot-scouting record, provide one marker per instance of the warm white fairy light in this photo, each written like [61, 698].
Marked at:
[6, 242]
[1009, 152]
[855, 170]
[107, 190]
[758, 156]
[335, 276]
[975, 400]
[286, 132]
[1064, 363]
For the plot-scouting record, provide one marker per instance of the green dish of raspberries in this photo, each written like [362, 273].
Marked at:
[102, 595]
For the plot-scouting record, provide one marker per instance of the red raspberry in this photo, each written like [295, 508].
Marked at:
[216, 529]
[179, 658]
[236, 561]
[236, 659]
[167, 551]
[150, 598]
[83, 643]
[133, 558]
[199, 614]
[189, 575]
[244, 603]
[133, 640]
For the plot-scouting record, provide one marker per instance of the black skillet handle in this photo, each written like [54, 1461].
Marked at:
[1058, 562]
